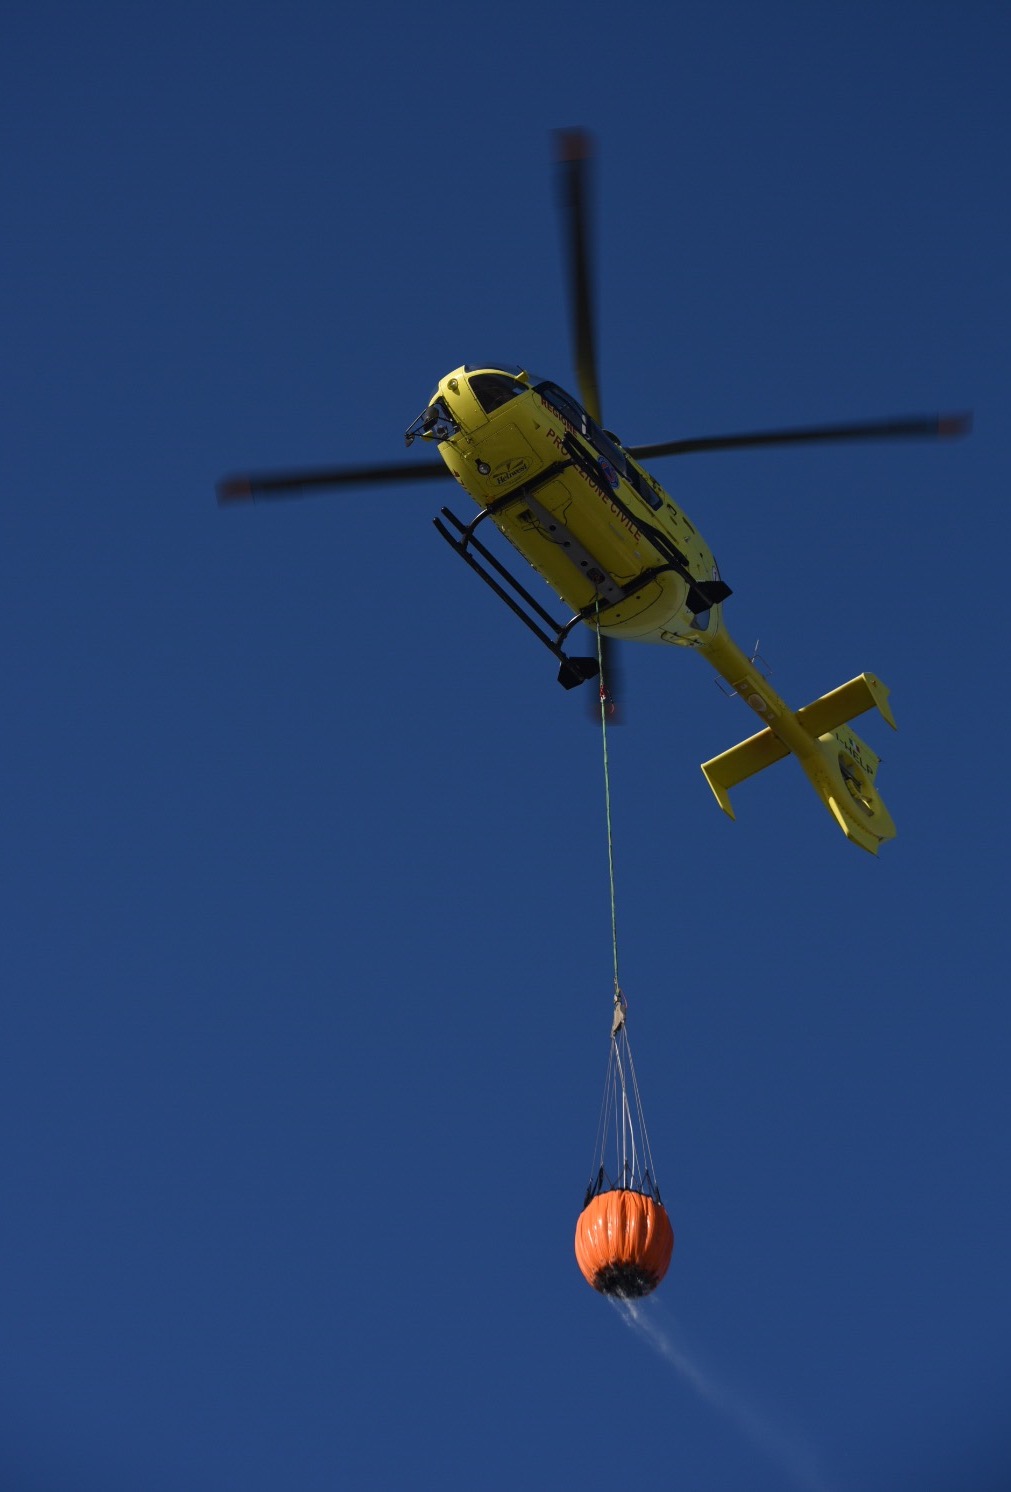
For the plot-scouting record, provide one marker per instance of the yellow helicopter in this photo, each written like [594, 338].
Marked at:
[581, 509]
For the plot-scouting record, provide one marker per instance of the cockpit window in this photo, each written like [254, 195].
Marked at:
[580, 420]
[492, 390]
[641, 485]
[564, 403]
[513, 369]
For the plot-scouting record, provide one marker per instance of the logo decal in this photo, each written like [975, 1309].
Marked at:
[508, 471]
[609, 471]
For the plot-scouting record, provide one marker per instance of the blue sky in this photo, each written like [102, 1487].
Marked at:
[306, 944]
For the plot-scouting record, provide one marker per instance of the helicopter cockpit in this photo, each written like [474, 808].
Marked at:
[485, 388]
[496, 385]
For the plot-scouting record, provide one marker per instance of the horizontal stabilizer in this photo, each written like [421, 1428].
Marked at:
[845, 703]
[726, 771]
[818, 719]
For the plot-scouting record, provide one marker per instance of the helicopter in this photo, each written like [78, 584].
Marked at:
[578, 505]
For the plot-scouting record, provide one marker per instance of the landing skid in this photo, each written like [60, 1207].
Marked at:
[571, 671]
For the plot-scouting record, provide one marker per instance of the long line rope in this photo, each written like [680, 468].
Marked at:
[607, 804]
[624, 1126]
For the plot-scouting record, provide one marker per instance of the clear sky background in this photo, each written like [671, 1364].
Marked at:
[306, 951]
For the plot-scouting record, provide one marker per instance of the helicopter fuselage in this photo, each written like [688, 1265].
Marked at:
[590, 520]
[613, 545]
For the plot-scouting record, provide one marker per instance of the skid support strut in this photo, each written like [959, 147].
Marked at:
[571, 671]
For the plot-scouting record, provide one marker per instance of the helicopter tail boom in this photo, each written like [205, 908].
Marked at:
[841, 767]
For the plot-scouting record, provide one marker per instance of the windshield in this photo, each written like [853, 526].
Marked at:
[512, 369]
[492, 390]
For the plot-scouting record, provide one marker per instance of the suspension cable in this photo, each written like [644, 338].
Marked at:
[636, 1169]
[607, 803]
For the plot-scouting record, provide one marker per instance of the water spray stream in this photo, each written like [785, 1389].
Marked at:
[795, 1459]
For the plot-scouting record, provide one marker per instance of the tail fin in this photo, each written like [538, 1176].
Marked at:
[841, 766]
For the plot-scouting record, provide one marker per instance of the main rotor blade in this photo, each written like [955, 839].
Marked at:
[300, 483]
[575, 149]
[903, 427]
